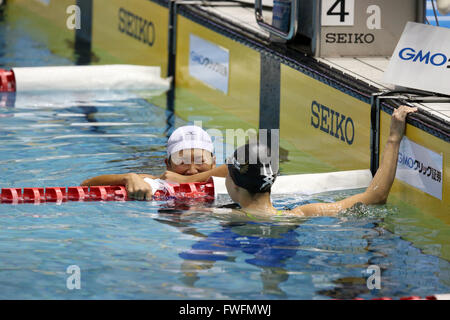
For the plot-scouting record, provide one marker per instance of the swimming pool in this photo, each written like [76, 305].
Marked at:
[151, 250]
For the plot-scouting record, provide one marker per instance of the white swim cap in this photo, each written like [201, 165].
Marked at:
[189, 137]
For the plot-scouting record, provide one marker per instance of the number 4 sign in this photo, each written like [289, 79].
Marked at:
[338, 12]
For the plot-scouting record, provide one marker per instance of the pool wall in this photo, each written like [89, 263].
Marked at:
[324, 116]
[46, 21]
[134, 32]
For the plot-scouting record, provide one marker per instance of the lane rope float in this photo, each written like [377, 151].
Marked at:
[305, 184]
[200, 191]
[7, 81]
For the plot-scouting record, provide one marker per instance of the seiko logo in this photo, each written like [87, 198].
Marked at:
[414, 164]
[427, 57]
[332, 122]
[136, 27]
[366, 38]
[209, 63]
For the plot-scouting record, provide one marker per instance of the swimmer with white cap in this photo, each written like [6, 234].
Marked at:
[251, 176]
[190, 158]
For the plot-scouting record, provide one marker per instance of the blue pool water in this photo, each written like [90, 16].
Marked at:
[152, 250]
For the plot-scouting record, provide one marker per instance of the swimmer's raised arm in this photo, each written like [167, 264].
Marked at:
[136, 187]
[378, 190]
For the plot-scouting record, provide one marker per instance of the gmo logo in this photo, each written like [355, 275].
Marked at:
[209, 63]
[419, 166]
[436, 59]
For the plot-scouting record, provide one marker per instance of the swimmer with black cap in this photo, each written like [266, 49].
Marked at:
[250, 178]
[251, 174]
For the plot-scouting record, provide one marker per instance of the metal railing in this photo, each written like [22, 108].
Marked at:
[293, 25]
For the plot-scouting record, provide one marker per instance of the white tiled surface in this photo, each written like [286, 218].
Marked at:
[379, 63]
[442, 114]
[370, 70]
[242, 16]
[439, 106]
[366, 69]
[264, 2]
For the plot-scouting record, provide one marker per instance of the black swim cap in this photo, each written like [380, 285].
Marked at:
[250, 167]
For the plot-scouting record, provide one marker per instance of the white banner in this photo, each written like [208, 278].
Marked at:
[86, 78]
[420, 168]
[421, 59]
[209, 63]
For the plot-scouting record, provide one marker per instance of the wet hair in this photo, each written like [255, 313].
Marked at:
[250, 168]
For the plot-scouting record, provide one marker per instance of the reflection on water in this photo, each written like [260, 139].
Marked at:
[305, 258]
[165, 250]
[268, 245]
[157, 250]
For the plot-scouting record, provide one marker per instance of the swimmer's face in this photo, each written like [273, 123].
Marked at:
[191, 161]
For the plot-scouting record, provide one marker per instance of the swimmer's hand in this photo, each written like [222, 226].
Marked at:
[176, 177]
[220, 171]
[398, 121]
[137, 188]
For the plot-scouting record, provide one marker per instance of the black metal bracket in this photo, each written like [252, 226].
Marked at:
[400, 96]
